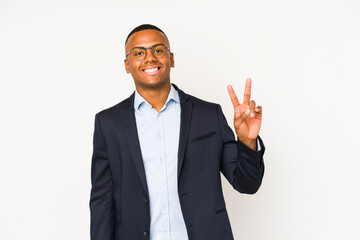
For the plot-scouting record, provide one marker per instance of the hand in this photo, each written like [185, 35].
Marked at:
[247, 116]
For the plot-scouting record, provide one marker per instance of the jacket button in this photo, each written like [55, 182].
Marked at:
[146, 234]
[146, 201]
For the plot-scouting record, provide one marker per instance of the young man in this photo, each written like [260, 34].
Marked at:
[158, 154]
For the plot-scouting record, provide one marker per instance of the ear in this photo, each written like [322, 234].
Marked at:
[127, 67]
[172, 60]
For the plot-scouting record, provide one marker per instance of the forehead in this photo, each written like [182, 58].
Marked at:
[146, 38]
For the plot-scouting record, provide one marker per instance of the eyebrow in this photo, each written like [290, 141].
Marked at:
[149, 47]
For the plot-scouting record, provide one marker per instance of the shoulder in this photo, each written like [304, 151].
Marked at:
[200, 109]
[198, 104]
[201, 103]
[204, 114]
[119, 108]
[195, 101]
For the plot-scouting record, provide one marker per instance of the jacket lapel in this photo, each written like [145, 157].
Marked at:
[185, 120]
[133, 140]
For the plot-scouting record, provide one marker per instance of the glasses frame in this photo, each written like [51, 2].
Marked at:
[152, 51]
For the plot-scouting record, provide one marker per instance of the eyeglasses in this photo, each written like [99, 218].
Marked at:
[139, 53]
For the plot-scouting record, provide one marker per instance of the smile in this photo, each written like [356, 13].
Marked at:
[151, 71]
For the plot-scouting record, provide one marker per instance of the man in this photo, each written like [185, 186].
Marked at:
[158, 154]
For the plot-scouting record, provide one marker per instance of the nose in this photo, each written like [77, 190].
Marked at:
[149, 57]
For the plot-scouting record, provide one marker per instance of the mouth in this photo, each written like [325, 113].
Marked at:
[151, 71]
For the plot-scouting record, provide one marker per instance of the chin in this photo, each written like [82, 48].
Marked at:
[152, 84]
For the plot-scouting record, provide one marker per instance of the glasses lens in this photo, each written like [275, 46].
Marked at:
[159, 51]
[138, 53]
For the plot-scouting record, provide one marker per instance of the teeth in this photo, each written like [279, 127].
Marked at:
[151, 70]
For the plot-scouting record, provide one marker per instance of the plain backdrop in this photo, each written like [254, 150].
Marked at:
[61, 62]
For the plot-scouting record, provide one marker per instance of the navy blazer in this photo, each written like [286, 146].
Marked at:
[119, 200]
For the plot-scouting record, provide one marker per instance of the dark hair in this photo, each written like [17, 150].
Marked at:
[143, 27]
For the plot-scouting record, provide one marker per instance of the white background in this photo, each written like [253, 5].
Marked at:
[62, 61]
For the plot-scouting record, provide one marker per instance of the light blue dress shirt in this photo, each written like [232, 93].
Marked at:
[159, 142]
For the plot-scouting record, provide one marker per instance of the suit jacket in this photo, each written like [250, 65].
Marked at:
[119, 200]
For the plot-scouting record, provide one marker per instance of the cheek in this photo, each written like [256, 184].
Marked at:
[133, 67]
[167, 63]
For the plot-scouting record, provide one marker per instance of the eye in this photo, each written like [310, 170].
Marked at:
[138, 54]
[158, 51]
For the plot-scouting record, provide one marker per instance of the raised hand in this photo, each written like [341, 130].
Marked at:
[247, 116]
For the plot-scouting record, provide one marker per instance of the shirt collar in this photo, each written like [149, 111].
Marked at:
[173, 95]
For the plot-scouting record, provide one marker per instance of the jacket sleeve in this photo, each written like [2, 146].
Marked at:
[242, 166]
[102, 224]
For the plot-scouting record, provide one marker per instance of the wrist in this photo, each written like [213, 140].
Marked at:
[251, 143]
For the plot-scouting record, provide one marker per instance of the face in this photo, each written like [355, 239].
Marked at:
[149, 72]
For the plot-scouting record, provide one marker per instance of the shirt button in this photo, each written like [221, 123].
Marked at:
[146, 234]
[161, 159]
[146, 201]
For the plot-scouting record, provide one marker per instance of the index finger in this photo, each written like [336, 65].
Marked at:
[247, 93]
[233, 97]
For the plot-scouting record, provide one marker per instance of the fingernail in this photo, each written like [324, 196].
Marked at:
[252, 114]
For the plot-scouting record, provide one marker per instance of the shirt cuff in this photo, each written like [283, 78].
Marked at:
[258, 144]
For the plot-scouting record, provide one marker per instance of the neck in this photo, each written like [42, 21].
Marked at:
[155, 96]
